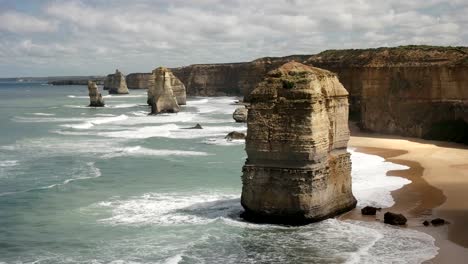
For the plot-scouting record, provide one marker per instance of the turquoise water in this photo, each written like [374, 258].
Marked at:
[114, 185]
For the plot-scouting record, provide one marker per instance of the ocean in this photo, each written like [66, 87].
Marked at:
[114, 185]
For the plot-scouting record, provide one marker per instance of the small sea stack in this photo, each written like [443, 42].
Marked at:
[161, 97]
[95, 97]
[116, 83]
[298, 169]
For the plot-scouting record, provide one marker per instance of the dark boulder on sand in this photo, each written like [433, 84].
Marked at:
[369, 210]
[394, 219]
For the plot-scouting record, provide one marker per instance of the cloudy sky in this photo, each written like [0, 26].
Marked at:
[87, 37]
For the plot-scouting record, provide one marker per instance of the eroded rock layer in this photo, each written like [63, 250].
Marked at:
[95, 97]
[161, 97]
[177, 87]
[298, 169]
[418, 91]
[138, 80]
[116, 83]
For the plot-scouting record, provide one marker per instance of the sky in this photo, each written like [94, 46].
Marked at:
[95, 37]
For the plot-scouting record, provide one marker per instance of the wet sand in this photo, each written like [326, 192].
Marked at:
[439, 188]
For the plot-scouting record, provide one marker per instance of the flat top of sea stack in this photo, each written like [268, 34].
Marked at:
[294, 80]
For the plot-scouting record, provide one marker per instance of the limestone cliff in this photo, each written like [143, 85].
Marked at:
[161, 97]
[416, 91]
[228, 78]
[138, 80]
[116, 83]
[298, 169]
[95, 97]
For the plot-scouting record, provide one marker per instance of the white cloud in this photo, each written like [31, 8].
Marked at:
[21, 23]
[142, 34]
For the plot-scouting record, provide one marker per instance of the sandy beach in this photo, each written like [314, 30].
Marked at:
[439, 188]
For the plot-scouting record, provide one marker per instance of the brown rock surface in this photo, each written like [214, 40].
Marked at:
[138, 80]
[160, 94]
[418, 91]
[95, 97]
[298, 169]
[228, 78]
[116, 83]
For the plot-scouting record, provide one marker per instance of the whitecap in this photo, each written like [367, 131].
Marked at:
[96, 121]
[170, 209]
[8, 163]
[141, 151]
[43, 114]
[371, 185]
[123, 105]
[224, 142]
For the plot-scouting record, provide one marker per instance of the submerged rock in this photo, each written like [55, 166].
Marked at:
[240, 115]
[438, 221]
[298, 169]
[394, 219]
[170, 80]
[161, 97]
[95, 97]
[197, 126]
[369, 210]
[116, 83]
[235, 135]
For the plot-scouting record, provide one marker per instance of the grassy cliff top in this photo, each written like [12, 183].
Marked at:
[412, 55]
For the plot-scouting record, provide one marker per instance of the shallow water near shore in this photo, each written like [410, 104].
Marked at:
[114, 185]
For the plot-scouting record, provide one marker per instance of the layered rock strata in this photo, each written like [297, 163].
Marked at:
[161, 97]
[417, 91]
[138, 80]
[228, 78]
[116, 83]
[177, 87]
[298, 169]
[95, 97]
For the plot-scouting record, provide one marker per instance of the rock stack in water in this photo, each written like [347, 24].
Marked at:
[116, 83]
[95, 97]
[178, 88]
[298, 169]
[161, 96]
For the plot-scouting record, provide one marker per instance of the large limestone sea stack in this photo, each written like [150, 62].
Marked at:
[116, 83]
[95, 97]
[177, 87]
[298, 169]
[161, 95]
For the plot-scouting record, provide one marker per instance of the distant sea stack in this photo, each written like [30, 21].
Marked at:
[138, 80]
[116, 83]
[161, 96]
[298, 169]
[95, 97]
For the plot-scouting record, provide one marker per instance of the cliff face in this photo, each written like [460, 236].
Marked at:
[417, 91]
[410, 91]
[228, 78]
[138, 80]
[161, 97]
[116, 83]
[298, 169]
